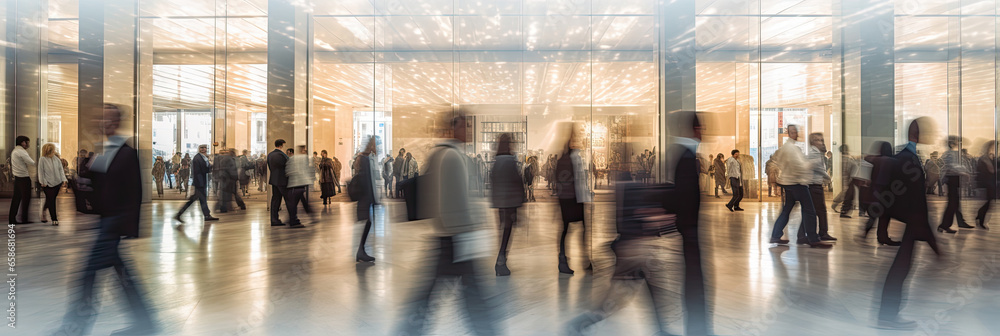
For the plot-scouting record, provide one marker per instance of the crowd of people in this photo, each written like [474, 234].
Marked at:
[650, 217]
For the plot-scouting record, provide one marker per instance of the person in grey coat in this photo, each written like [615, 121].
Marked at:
[508, 195]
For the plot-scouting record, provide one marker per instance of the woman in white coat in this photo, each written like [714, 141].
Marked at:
[51, 177]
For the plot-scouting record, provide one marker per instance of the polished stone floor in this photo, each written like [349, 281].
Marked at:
[239, 276]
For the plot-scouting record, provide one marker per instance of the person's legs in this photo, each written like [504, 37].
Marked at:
[892, 291]
[202, 194]
[818, 196]
[848, 203]
[801, 195]
[276, 195]
[983, 210]
[734, 183]
[507, 218]
[20, 199]
[239, 200]
[50, 200]
[292, 204]
[952, 207]
[480, 314]
[788, 203]
[364, 239]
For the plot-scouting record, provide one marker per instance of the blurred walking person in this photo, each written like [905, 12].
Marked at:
[572, 190]
[184, 173]
[882, 175]
[20, 165]
[720, 175]
[734, 172]
[301, 175]
[530, 171]
[397, 172]
[51, 176]
[844, 202]
[910, 208]
[648, 220]
[772, 171]
[794, 181]
[986, 176]
[954, 170]
[199, 170]
[337, 167]
[819, 178]
[228, 181]
[117, 183]
[507, 196]
[159, 170]
[244, 171]
[387, 175]
[367, 194]
[460, 235]
[327, 180]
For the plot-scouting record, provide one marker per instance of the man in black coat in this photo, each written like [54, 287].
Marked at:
[278, 179]
[117, 185]
[199, 173]
[906, 201]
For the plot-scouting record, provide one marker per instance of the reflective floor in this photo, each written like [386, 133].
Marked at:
[239, 276]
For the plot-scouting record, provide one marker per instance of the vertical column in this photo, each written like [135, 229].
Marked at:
[107, 74]
[677, 63]
[25, 71]
[223, 126]
[286, 73]
[870, 36]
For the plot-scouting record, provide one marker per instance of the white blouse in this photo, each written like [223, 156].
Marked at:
[50, 171]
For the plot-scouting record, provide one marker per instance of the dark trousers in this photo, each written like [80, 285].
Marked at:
[737, 187]
[21, 199]
[991, 194]
[508, 216]
[445, 266]
[105, 254]
[277, 194]
[296, 195]
[796, 193]
[954, 208]
[848, 204]
[50, 200]
[883, 224]
[819, 204]
[201, 196]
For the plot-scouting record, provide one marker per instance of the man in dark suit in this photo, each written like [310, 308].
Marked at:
[228, 181]
[906, 201]
[276, 161]
[199, 173]
[118, 188]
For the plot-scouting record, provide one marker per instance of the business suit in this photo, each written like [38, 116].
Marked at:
[199, 175]
[688, 198]
[276, 161]
[910, 208]
[118, 189]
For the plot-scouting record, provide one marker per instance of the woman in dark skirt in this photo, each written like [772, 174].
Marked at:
[327, 181]
[571, 188]
[507, 196]
[367, 197]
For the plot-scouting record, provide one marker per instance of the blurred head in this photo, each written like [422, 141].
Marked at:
[371, 147]
[245, 152]
[816, 140]
[159, 158]
[719, 157]
[409, 155]
[735, 153]
[503, 144]
[314, 153]
[279, 144]
[844, 150]
[989, 148]
[402, 151]
[303, 150]
[22, 141]
[953, 141]
[881, 148]
[686, 124]
[323, 153]
[290, 152]
[48, 150]
[203, 149]
[793, 132]
[111, 119]
[459, 129]
[83, 152]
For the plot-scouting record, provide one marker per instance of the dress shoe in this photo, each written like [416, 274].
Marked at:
[55, 223]
[827, 238]
[896, 324]
[981, 223]
[836, 207]
[210, 218]
[738, 209]
[717, 196]
[296, 226]
[889, 242]
[277, 224]
[962, 225]
[730, 207]
[243, 207]
[779, 241]
[502, 270]
[820, 245]
[564, 265]
[945, 230]
[363, 256]
[845, 216]
[178, 219]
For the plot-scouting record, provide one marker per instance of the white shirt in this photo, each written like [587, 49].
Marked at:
[793, 164]
[50, 171]
[20, 161]
[817, 165]
[734, 168]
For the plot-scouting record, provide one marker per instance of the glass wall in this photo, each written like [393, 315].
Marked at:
[397, 69]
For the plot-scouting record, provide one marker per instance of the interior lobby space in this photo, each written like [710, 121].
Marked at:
[864, 111]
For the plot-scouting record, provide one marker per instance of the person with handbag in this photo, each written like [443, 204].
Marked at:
[572, 190]
[507, 196]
